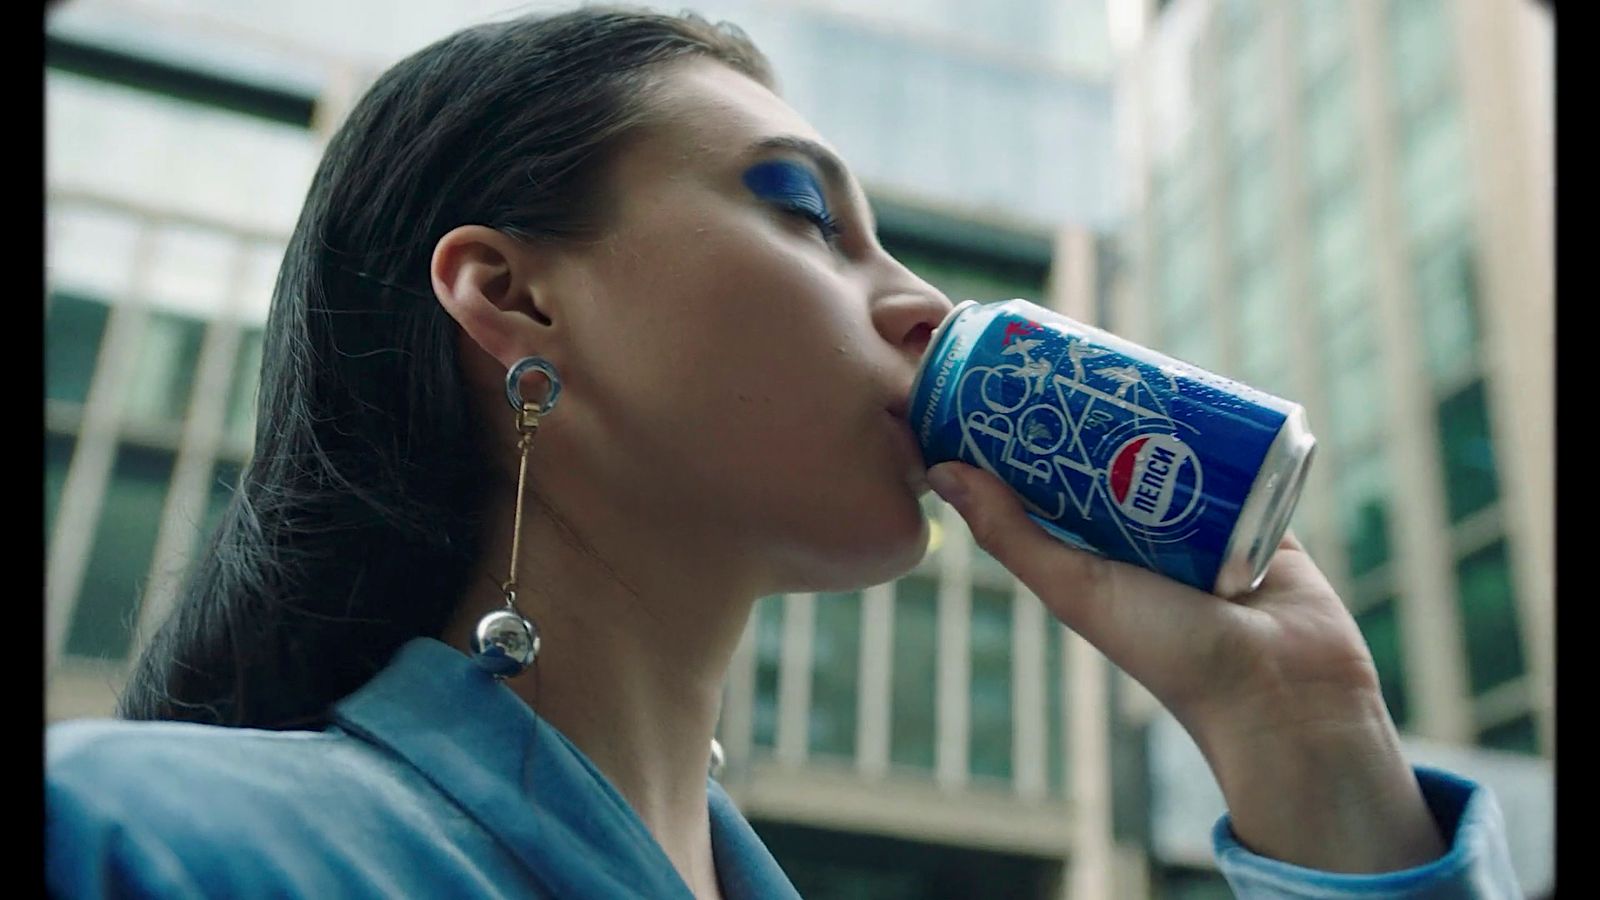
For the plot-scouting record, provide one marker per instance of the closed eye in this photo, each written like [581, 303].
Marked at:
[793, 188]
[824, 222]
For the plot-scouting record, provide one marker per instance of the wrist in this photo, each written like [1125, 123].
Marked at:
[1322, 783]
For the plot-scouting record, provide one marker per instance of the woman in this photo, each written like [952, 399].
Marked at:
[610, 220]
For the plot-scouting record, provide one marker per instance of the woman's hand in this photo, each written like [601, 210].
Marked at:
[1277, 686]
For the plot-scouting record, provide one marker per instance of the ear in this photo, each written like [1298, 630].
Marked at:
[497, 289]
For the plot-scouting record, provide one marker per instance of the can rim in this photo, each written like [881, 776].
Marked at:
[932, 350]
[1266, 514]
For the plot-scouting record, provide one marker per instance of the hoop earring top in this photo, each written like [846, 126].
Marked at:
[514, 383]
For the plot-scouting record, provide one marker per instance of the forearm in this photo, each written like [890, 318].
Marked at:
[1331, 791]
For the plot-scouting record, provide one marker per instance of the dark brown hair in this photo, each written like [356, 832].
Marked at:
[355, 524]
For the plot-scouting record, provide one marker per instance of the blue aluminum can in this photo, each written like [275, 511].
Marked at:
[1113, 447]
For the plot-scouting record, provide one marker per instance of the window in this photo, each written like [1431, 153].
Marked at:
[1420, 38]
[57, 459]
[1467, 452]
[1446, 291]
[1489, 614]
[1519, 735]
[1332, 128]
[164, 372]
[1263, 335]
[146, 135]
[73, 327]
[989, 752]
[1183, 316]
[1055, 706]
[987, 571]
[1247, 104]
[1240, 16]
[1346, 313]
[1380, 625]
[769, 654]
[1353, 375]
[1357, 394]
[1194, 343]
[1185, 275]
[836, 662]
[224, 483]
[1252, 212]
[916, 670]
[119, 562]
[1342, 251]
[1324, 35]
[241, 416]
[1364, 489]
[1178, 192]
[1435, 179]
[967, 129]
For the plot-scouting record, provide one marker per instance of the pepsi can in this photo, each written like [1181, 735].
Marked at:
[1113, 447]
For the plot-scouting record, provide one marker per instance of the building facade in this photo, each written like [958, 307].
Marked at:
[1349, 204]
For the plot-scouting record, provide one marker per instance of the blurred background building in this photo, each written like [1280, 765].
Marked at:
[1320, 197]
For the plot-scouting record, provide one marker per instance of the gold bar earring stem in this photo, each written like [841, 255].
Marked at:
[527, 423]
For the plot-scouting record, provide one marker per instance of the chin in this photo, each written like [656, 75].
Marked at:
[873, 550]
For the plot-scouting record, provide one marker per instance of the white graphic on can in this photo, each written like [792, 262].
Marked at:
[1039, 429]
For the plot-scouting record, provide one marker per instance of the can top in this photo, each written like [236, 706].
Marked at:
[934, 340]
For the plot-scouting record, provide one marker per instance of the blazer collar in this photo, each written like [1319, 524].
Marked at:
[532, 788]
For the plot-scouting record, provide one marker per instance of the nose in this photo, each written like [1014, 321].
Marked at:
[906, 315]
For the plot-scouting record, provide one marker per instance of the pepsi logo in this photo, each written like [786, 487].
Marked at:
[1155, 479]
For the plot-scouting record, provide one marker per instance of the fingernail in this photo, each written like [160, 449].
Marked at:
[946, 483]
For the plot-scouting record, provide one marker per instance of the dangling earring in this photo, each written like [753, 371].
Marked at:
[718, 760]
[504, 643]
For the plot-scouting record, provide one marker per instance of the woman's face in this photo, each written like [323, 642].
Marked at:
[740, 367]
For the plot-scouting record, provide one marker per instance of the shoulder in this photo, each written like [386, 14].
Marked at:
[162, 764]
[182, 809]
[83, 745]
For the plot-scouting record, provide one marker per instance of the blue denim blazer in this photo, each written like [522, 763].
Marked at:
[437, 781]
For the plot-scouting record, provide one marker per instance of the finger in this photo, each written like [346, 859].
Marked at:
[1290, 542]
[1152, 627]
[1291, 566]
[1075, 583]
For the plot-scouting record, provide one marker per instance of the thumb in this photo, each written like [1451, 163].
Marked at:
[999, 524]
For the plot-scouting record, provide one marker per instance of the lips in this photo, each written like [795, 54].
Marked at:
[916, 471]
[909, 451]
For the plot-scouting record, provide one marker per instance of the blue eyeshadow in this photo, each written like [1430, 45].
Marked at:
[787, 183]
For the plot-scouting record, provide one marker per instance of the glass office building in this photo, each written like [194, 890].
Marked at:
[1349, 204]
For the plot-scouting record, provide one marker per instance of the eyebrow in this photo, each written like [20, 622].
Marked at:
[833, 169]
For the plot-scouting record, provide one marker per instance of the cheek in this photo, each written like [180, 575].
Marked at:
[734, 363]
[734, 321]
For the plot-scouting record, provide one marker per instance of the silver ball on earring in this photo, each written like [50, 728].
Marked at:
[718, 760]
[505, 643]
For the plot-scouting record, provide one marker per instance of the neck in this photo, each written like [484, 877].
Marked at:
[630, 667]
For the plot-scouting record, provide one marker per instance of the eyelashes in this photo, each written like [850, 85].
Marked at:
[825, 223]
[792, 188]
